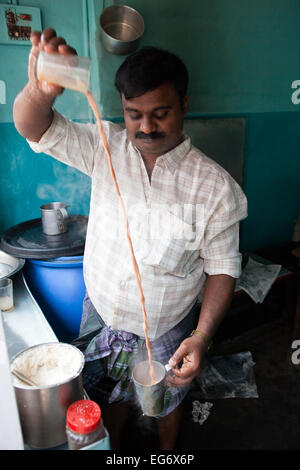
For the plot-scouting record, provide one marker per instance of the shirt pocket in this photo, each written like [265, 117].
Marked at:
[175, 252]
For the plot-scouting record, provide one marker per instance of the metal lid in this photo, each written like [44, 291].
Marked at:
[27, 240]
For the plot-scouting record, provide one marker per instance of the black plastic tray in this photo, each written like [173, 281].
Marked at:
[27, 240]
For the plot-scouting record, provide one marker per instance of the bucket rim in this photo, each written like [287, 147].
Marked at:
[63, 261]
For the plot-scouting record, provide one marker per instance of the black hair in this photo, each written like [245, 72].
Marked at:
[149, 68]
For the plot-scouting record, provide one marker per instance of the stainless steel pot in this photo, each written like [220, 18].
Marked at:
[9, 265]
[121, 29]
[43, 410]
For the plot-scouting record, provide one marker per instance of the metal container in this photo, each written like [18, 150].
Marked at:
[151, 396]
[9, 265]
[121, 29]
[54, 217]
[43, 409]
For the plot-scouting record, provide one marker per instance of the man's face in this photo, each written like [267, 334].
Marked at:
[154, 120]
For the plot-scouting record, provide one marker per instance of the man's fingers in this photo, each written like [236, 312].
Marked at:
[53, 44]
[174, 381]
[35, 38]
[47, 35]
[186, 371]
[31, 64]
[178, 372]
[64, 49]
[50, 43]
[180, 377]
[178, 356]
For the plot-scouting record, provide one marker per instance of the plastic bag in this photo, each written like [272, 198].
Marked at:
[229, 376]
[200, 411]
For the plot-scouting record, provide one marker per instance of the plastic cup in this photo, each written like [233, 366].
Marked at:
[6, 295]
[67, 71]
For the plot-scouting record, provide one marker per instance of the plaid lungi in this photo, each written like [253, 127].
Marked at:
[110, 356]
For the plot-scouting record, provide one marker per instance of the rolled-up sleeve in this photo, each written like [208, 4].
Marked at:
[71, 143]
[220, 249]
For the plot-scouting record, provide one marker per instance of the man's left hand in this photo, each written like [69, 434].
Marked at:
[191, 351]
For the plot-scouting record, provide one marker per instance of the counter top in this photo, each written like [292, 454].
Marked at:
[25, 325]
[21, 328]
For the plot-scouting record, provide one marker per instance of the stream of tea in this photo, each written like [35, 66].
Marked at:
[96, 112]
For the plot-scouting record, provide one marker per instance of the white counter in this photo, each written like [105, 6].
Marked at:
[23, 327]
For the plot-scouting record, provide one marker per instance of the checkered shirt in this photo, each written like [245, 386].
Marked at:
[183, 224]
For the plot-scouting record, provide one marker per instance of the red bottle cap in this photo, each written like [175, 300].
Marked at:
[83, 416]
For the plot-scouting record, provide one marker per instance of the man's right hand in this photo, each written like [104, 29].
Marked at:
[48, 42]
[32, 111]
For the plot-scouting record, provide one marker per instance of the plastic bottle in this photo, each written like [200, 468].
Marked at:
[84, 424]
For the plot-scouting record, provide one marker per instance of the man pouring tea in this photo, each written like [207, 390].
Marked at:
[194, 247]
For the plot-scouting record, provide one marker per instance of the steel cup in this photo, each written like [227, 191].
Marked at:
[151, 397]
[54, 218]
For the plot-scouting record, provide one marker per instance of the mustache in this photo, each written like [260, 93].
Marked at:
[151, 136]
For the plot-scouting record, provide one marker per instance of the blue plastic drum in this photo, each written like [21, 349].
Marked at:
[58, 287]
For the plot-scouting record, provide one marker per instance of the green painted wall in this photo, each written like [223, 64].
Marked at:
[13, 64]
[28, 180]
[271, 179]
[243, 56]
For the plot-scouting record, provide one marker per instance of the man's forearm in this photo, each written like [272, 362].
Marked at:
[32, 113]
[217, 297]
[216, 300]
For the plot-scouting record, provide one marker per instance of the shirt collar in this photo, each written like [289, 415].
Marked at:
[173, 158]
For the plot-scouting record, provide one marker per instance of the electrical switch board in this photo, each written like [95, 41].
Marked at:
[17, 22]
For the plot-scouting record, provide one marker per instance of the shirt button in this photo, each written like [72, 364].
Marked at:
[122, 284]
